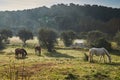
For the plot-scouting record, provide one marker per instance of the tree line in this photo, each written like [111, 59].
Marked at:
[48, 38]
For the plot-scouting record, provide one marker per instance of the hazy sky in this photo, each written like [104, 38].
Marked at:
[27, 4]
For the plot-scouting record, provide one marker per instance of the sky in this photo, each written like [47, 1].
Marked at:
[28, 4]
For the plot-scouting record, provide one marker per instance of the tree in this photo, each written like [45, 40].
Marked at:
[1, 44]
[47, 38]
[117, 38]
[82, 35]
[93, 36]
[5, 34]
[113, 25]
[68, 37]
[102, 42]
[25, 35]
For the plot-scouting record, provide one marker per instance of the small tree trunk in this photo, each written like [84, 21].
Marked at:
[49, 48]
[24, 43]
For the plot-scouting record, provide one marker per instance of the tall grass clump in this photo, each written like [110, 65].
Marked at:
[85, 58]
[12, 71]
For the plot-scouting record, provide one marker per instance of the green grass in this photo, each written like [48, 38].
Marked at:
[64, 64]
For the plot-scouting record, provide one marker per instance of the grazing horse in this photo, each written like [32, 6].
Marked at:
[20, 51]
[99, 52]
[38, 49]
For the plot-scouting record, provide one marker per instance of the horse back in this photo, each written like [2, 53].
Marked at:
[17, 50]
[97, 51]
[20, 51]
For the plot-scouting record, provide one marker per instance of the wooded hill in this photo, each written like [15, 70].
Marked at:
[80, 18]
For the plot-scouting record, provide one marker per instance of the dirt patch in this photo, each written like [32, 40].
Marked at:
[35, 68]
[20, 72]
[38, 67]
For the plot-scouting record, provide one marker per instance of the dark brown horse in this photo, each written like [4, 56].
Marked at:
[38, 50]
[20, 51]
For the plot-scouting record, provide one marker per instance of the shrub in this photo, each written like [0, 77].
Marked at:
[68, 37]
[47, 38]
[117, 38]
[93, 36]
[102, 42]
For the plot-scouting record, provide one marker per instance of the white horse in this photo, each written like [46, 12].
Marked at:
[98, 52]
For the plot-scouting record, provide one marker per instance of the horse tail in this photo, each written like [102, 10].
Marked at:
[107, 53]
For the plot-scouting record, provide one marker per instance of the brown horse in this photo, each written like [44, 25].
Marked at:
[38, 49]
[20, 51]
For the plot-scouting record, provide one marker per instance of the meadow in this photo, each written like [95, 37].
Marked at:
[63, 64]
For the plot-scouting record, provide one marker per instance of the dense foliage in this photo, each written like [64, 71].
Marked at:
[5, 34]
[68, 37]
[94, 36]
[117, 38]
[102, 42]
[25, 35]
[47, 38]
[64, 17]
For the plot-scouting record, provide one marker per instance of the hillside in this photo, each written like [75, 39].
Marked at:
[64, 17]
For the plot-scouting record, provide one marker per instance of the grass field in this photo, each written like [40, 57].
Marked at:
[64, 64]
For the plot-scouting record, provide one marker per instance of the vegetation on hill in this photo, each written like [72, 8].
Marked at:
[64, 17]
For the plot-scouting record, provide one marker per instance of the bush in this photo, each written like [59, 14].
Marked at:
[1, 44]
[47, 38]
[94, 36]
[117, 38]
[102, 42]
[68, 37]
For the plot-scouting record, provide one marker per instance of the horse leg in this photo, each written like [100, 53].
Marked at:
[100, 58]
[104, 58]
[39, 53]
[109, 58]
[18, 55]
[23, 55]
[90, 58]
[35, 52]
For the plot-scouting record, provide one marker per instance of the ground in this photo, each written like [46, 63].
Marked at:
[64, 64]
